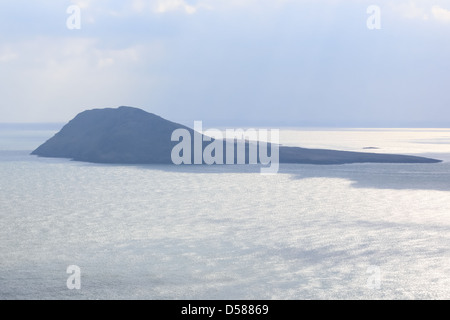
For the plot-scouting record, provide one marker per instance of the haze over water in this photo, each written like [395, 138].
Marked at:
[227, 232]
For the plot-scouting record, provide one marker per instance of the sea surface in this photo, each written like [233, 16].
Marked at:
[358, 231]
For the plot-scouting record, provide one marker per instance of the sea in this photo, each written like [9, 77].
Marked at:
[74, 230]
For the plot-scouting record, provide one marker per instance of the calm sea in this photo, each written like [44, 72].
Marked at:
[360, 231]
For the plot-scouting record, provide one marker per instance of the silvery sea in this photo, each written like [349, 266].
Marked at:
[357, 231]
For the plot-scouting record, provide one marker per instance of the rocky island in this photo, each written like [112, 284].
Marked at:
[128, 135]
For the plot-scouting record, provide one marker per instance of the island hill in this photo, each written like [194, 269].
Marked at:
[127, 135]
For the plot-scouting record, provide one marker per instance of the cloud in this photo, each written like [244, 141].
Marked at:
[6, 55]
[83, 4]
[138, 6]
[441, 14]
[421, 10]
[167, 6]
[225, 60]
[107, 58]
[411, 10]
[71, 74]
[163, 6]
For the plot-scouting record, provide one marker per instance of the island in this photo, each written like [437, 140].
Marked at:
[128, 135]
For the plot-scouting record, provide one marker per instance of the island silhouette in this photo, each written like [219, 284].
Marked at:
[128, 135]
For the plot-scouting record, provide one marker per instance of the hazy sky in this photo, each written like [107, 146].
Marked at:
[229, 62]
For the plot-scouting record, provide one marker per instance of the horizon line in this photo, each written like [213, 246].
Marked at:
[220, 126]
